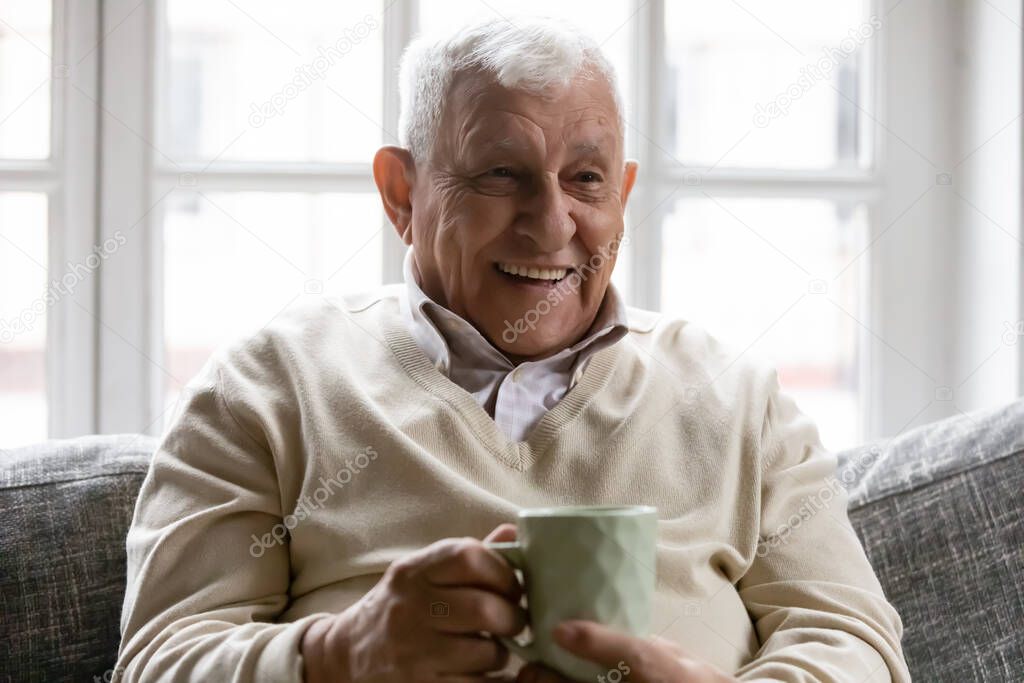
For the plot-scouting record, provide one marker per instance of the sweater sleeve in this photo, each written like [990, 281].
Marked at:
[818, 609]
[204, 586]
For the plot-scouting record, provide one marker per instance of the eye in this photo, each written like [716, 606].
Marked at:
[589, 177]
[502, 172]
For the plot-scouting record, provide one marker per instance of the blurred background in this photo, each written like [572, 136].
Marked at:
[831, 187]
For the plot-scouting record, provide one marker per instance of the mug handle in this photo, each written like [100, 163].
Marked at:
[512, 552]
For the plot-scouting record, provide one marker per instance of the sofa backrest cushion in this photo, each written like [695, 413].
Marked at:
[940, 512]
[67, 506]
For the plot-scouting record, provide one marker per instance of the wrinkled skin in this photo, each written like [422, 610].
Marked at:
[520, 179]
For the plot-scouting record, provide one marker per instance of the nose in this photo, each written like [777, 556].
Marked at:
[546, 219]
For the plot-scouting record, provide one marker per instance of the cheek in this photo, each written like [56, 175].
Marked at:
[601, 233]
[475, 223]
[467, 224]
[491, 216]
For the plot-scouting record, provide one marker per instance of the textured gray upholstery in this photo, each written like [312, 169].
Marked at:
[940, 512]
[67, 506]
[939, 509]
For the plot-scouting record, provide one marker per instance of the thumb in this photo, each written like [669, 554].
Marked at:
[502, 532]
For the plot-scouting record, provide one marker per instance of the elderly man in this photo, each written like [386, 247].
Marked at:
[328, 479]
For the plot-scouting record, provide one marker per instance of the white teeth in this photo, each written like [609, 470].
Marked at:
[535, 273]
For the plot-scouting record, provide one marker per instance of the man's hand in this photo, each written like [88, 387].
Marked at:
[637, 660]
[423, 619]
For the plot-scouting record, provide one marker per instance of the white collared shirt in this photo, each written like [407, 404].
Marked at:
[516, 396]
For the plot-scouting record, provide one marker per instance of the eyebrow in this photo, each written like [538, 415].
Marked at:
[587, 148]
[592, 152]
[505, 143]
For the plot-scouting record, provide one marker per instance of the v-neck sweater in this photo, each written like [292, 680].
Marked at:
[307, 456]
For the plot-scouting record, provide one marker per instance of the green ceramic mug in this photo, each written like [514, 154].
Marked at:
[584, 562]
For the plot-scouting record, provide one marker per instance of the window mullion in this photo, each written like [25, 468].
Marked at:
[129, 343]
[400, 23]
[644, 126]
[71, 370]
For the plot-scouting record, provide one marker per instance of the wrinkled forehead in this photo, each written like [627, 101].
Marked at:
[482, 115]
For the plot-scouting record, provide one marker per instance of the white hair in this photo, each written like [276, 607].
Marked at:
[532, 54]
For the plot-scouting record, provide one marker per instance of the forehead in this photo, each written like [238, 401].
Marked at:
[580, 116]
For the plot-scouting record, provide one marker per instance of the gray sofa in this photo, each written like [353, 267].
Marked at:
[940, 511]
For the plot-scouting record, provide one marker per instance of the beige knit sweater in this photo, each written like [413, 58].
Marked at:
[308, 456]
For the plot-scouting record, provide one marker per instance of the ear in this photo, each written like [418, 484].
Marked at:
[394, 171]
[628, 178]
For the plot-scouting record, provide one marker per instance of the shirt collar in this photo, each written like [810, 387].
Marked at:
[445, 337]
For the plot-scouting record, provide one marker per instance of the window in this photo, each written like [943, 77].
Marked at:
[25, 178]
[253, 111]
[759, 272]
[23, 284]
[223, 169]
[775, 86]
[280, 244]
[49, 252]
[254, 89]
[758, 101]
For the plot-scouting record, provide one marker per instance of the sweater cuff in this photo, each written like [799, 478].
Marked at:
[258, 651]
[281, 659]
[846, 658]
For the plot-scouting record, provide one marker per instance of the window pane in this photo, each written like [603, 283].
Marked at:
[754, 85]
[272, 81]
[608, 22]
[24, 79]
[770, 273]
[24, 298]
[232, 261]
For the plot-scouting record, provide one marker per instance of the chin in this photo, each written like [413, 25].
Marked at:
[528, 343]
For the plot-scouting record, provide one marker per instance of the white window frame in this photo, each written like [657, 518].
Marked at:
[125, 350]
[66, 178]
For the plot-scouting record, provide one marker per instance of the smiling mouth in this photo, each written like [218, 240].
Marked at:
[533, 274]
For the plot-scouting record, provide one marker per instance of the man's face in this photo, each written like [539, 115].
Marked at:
[520, 192]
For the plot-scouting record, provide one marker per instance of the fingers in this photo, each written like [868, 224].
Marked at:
[470, 610]
[538, 673]
[467, 562]
[502, 532]
[597, 643]
[472, 655]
